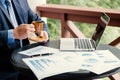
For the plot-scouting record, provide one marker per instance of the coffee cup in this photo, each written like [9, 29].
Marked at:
[38, 27]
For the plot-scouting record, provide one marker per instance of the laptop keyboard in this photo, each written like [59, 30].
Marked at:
[83, 44]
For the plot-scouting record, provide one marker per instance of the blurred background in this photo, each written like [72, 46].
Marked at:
[55, 25]
[87, 29]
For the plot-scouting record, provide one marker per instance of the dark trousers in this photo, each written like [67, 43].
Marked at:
[24, 77]
[9, 75]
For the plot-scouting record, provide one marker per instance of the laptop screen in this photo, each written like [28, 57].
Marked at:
[104, 20]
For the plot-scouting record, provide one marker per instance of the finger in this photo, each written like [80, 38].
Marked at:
[45, 34]
[31, 28]
[41, 34]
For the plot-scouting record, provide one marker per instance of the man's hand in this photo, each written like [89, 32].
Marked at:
[22, 31]
[44, 35]
[42, 38]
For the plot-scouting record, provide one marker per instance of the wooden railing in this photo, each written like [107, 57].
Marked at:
[67, 14]
[80, 14]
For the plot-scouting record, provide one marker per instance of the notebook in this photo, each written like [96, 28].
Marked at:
[86, 44]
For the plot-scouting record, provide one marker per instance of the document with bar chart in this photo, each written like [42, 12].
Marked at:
[96, 62]
[47, 66]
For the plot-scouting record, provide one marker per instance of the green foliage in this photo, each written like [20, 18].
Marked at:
[53, 1]
[110, 33]
[86, 29]
[55, 29]
[114, 4]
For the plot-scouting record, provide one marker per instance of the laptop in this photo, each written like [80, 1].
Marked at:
[86, 44]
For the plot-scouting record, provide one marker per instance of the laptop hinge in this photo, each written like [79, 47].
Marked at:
[93, 43]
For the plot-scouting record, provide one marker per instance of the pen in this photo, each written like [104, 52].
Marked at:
[44, 54]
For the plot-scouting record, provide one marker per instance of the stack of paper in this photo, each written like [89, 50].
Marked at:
[96, 62]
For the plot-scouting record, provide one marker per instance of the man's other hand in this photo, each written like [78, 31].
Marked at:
[22, 31]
